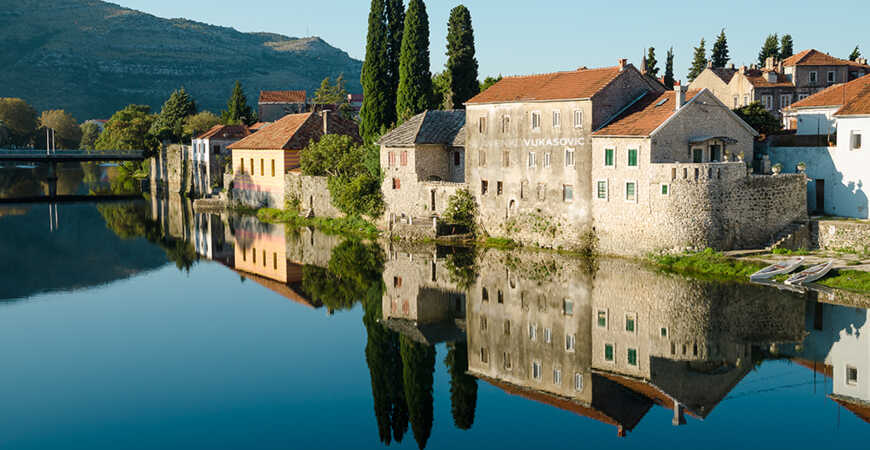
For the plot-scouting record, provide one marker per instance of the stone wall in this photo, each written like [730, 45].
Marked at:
[312, 194]
[171, 169]
[844, 234]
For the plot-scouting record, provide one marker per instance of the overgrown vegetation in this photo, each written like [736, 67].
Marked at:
[708, 263]
[462, 268]
[759, 118]
[462, 209]
[852, 280]
[351, 226]
[785, 251]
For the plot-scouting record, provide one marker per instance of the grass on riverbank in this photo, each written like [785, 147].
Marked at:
[853, 280]
[347, 226]
[708, 264]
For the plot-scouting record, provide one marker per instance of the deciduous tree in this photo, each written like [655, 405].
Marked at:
[699, 61]
[90, 133]
[67, 132]
[415, 78]
[462, 64]
[489, 81]
[759, 118]
[199, 123]
[128, 129]
[19, 118]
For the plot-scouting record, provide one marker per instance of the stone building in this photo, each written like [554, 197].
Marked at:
[423, 162]
[261, 160]
[274, 105]
[208, 152]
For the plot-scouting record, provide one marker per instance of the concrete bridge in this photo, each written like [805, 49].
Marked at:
[28, 155]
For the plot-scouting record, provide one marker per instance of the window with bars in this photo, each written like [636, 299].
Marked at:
[601, 190]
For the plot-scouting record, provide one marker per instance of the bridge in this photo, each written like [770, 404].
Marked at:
[26, 155]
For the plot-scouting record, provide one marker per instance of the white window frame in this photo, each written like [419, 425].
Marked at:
[547, 160]
[813, 77]
[548, 335]
[625, 191]
[578, 381]
[557, 376]
[606, 190]
[557, 118]
[632, 316]
[668, 187]
[784, 100]
[565, 303]
[767, 102]
[533, 332]
[565, 198]
[578, 118]
[533, 160]
[606, 318]
[667, 333]
[535, 119]
[832, 76]
[569, 157]
[857, 375]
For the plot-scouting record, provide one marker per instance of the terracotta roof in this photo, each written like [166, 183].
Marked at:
[756, 78]
[282, 97]
[859, 105]
[581, 83]
[644, 116]
[430, 127]
[225, 132]
[296, 131]
[813, 57]
[257, 126]
[834, 95]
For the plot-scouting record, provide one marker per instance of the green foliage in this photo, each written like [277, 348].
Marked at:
[719, 55]
[357, 195]
[669, 69]
[786, 47]
[128, 129]
[378, 108]
[354, 188]
[354, 227]
[238, 111]
[90, 133]
[169, 124]
[395, 16]
[199, 123]
[856, 53]
[19, 119]
[708, 263]
[462, 65]
[788, 252]
[331, 94]
[418, 368]
[415, 79]
[651, 67]
[127, 220]
[759, 118]
[768, 49]
[462, 268]
[461, 209]
[853, 280]
[463, 387]
[333, 155]
[500, 243]
[699, 61]
[441, 95]
[489, 81]
[67, 133]
[353, 269]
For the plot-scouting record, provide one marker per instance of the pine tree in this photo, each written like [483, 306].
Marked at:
[719, 56]
[770, 48]
[651, 63]
[669, 69]
[786, 48]
[855, 54]
[377, 113]
[395, 27]
[461, 62]
[170, 123]
[699, 61]
[238, 112]
[415, 79]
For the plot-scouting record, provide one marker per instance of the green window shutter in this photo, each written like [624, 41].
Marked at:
[632, 357]
[632, 158]
[608, 352]
[608, 157]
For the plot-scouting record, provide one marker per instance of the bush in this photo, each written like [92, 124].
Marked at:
[461, 209]
[355, 187]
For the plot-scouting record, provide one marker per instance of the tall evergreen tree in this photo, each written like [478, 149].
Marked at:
[651, 63]
[719, 56]
[418, 368]
[463, 387]
[461, 62]
[770, 48]
[699, 61]
[786, 47]
[377, 111]
[395, 15]
[170, 122]
[238, 111]
[415, 79]
[855, 54]
[385, 367]
[669, 69]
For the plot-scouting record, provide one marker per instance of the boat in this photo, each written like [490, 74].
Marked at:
[812, 274]
[777, 269]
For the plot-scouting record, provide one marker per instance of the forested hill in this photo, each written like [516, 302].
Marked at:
[92, 58]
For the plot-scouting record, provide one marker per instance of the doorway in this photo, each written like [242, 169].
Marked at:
[697, 155]
[820, 197]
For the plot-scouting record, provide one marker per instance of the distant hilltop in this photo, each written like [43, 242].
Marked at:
[92, 58]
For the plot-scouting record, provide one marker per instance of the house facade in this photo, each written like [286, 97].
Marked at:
[273, 105]
[208, 153]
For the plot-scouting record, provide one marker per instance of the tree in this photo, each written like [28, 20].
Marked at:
[331, 94]
[199, 123]
[169, 124]
[238, 112]
[385, 368]
[719, 55]
[770, 48]
[651, 63]
[354, 188]
[415, 79]
[699, 61]
[786, 48]
[395, 16]
[90, 133]
[759, 118]
[855, 54]
[67, 133]
[418, 367]
[463, 387]
[461, 62]
[489, 81]
[669, 69]
[19, 119]
[377, 111]
[441, 94]
[461, 209]
[128, 129]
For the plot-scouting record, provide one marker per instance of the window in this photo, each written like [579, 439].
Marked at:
[557, 376]
[391, 159]
[666, 189]
[608, 157]
[851, 375]
[500, 297]
[630, 191]
[481, 158]
[557, 119]
[568, 307]
[273, 167]
[253, 168]
[814, 77]
[745, 100]
[542, 191]
[578, 381]
[506, 159]
[403, 160]
[664, 332]
[568, 193]
[457, 159]
[484, 355]
[630, 323]
[533, 332]
[262, 167]
[803, 96]
[484, 186]
[832, 76]
[533, 162]
[767, 102]
[397, 184]
[856, 140]
[481, 125]
[569, 157]
[578, 118]
[608, 352]
[632, 357]
[524, 189]
[570, 341]
[536, 120]
[736, 100]
[548, 335]
[601, 189]
[483, 324]
[547, 160]
[484, 295]
[499, 188]
[632, 157]
[254, 255]
[536, 370]
[242, 166]
[275, 261]
[602, 319]
[507, 361]
[697, 155]
[505, 124]
[784, 100]
[507, 327]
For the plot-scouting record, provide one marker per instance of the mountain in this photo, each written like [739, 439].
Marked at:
[92, 58]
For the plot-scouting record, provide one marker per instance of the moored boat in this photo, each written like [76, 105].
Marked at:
[812, 274]
[777, 269]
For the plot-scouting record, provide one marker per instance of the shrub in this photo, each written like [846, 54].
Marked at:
[461, 209]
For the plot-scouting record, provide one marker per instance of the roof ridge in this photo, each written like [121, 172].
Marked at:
[559, 72]
[420, 125]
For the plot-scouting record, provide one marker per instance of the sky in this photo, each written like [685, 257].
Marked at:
[515, 38]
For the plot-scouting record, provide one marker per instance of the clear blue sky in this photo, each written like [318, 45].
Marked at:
[537, 36]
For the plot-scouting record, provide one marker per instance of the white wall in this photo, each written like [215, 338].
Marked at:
[814, 121]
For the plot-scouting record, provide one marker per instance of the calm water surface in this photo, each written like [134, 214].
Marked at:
[143, 325]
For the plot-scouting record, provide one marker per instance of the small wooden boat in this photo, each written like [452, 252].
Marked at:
[812, 274]
[777, 269]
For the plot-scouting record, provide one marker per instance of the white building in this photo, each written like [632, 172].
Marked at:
[208, 153]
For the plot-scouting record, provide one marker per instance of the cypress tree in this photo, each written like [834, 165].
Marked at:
[699, 61]
[415, 79]
[719, 56]
[855, 54]
[651, 63]
[770, 48]
[461, 62]
[238, 111]
[377, 112]
[786, 49]
[418, 369]
[669, 69]
[395, 27]
[463, 387]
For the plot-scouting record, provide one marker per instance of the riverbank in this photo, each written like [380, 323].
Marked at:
[355, 227]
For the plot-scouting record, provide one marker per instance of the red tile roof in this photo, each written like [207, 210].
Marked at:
[225, 132]
[581, 83]
[644, 116]
[257, 126]
[859, 105]
[282, 97]
[757, 79]
[836, 95]
[276, 136]
[814, 57]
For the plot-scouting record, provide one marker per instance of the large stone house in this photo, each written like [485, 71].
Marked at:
[208, 152]
[261, 160]
[274, 105]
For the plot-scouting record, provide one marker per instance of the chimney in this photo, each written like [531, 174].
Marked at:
[679, 95]
[769, 62]
[622, 63]
[325, 115]
[731, 66]
[742, 69]
[709, 63]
